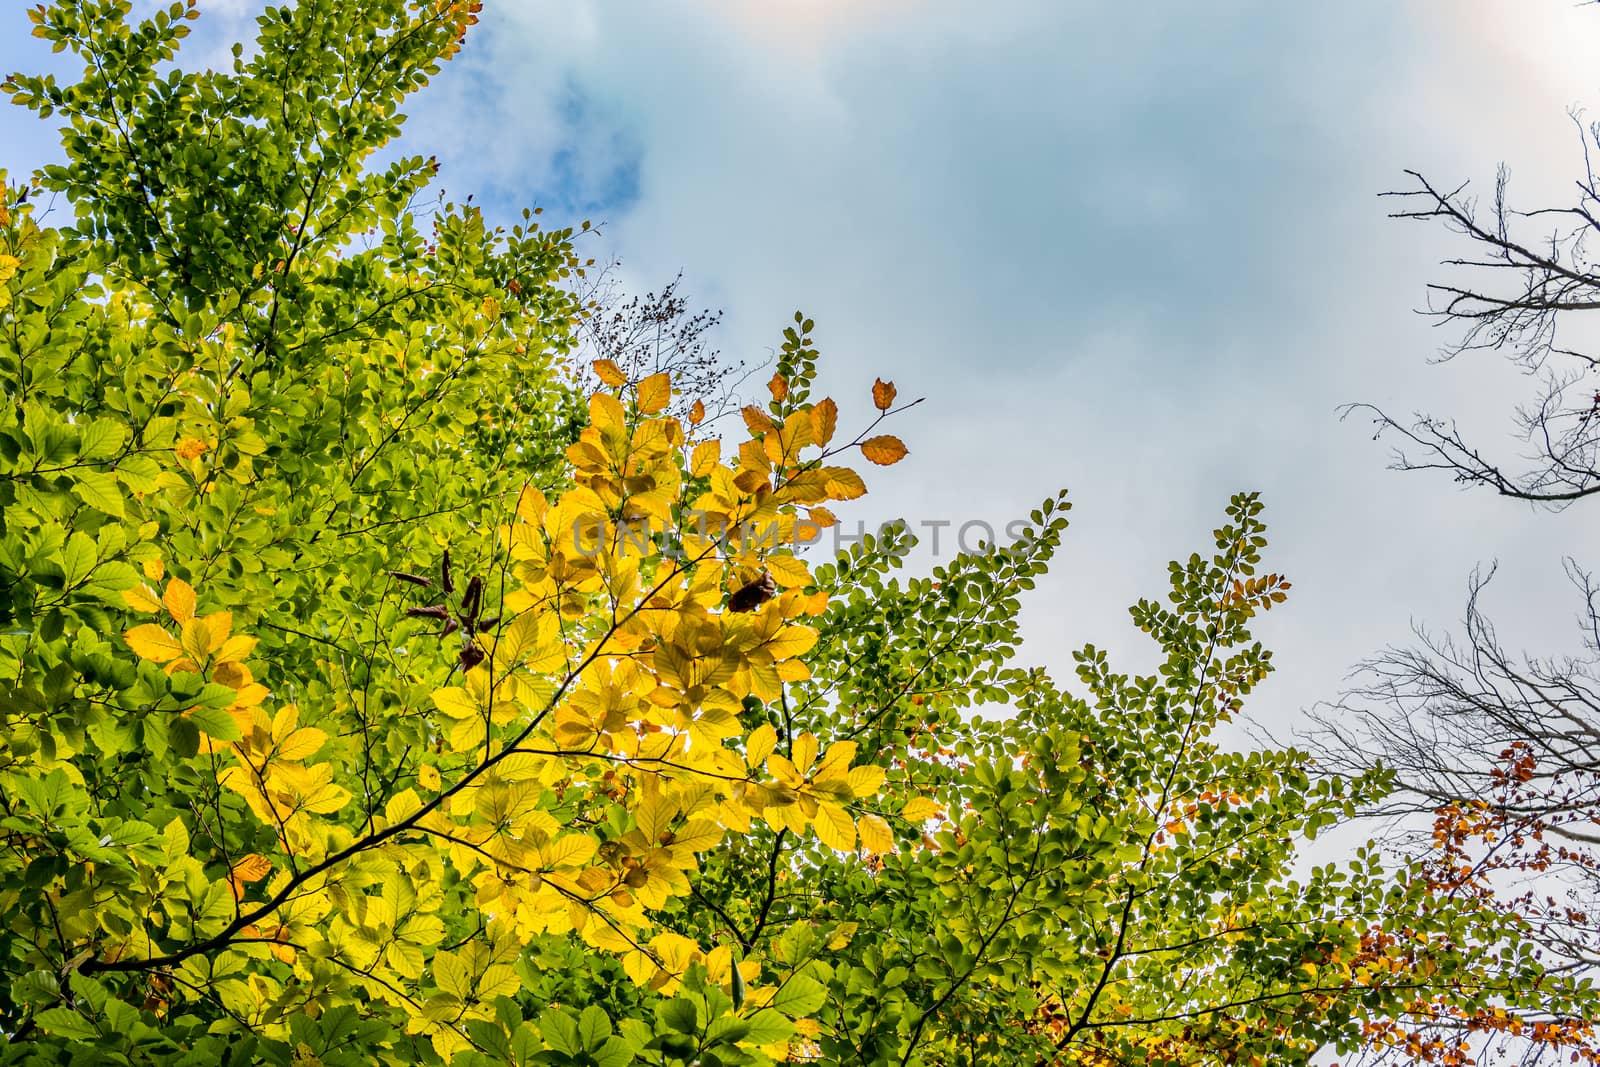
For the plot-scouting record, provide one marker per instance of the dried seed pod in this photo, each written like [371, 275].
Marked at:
[472, 598]
[447, 583]
[414, 579]
[754, 595]
[432, 611]
[471, 655]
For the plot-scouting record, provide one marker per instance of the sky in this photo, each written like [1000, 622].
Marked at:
[1136, 251]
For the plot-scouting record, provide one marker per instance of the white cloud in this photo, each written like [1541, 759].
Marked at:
[1135, 251]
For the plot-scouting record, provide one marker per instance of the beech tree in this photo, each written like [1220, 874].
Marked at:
[373, 694]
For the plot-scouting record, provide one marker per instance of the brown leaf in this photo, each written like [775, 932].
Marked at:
[883, 394]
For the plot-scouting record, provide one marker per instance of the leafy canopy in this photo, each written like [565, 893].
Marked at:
[373, 696]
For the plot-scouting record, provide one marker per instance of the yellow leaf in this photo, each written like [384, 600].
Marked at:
[301, 744]
[805, 752]
[218, 625]
[865, 779]
[142, 598]
[697, 836]
[920, 809]
[655, 392]
[760, 744]
[876, 836]
[573, 850]
[609, 372]
[428, 777]
[653, 817]
[196, 639]
[452, 975]
[883, 394]
[154, 569]
[153, 643]
[455, 702]
[788, 571]
[705, 458]
[605, 413]
[235, 649]
[792, 641]
[498, 980]
[834, 827]
[844, 483]
[824, 418]
[531, 505]
[836, 762]
[883, 449]
[180, 599]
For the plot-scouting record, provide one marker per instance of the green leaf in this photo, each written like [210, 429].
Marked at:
[77, 558]
[799, 996]
[593, 1027]
[768, 1026]
[101, 492]
[65, 1022]
[215, 722]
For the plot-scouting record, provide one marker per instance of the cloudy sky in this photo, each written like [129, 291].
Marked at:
[1134, 251]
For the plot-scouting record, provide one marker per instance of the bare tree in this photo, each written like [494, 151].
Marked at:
[1495, 755]
[1515, 292]
[656, 332]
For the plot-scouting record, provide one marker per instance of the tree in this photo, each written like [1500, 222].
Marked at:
[374, 697]
[1492, 751]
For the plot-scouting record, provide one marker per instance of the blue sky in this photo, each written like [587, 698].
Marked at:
[1134, 251]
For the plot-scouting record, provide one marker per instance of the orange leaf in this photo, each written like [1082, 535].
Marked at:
[757, 420]
[697, 414]
[883, 394]
[883, 449]
[779, 386]
[190, 448]
[180, 599]
[824, 417]
[609, 372]
[252, 868]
